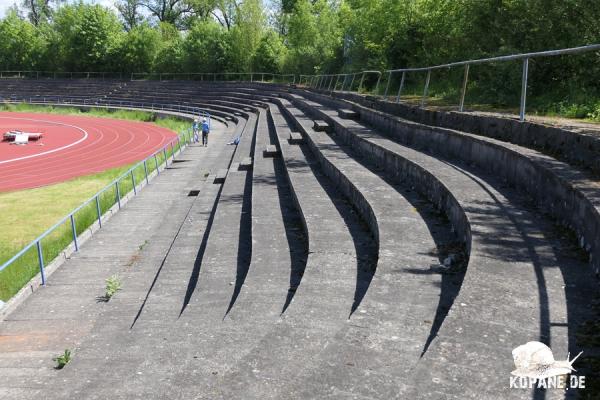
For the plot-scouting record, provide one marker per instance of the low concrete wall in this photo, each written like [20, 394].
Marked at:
[403, 170]
[574, 147]
[565, 194]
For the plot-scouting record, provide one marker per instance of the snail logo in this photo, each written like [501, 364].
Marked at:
[536, 367]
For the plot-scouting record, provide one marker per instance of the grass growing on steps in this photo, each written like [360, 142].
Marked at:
[26, 214]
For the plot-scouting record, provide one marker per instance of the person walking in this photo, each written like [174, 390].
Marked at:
[205, 132]
[196, 128]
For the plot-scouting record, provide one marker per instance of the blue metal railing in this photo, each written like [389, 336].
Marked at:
[95, 199]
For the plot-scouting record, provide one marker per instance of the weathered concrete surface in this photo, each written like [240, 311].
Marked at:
[574, 143]
[403, 278]
[571, 195]
[64, 314]
[512, 256]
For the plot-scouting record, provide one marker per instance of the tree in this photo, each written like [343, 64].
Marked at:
[87, 37]
[170, 55]
[37, 10]
[246, 34]
[22, 46]
[129, 10]
[171, 11]
[270, 54]
[207, 48]
[138, 49]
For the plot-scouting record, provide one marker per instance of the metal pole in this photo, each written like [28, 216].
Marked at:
[41, 262]
[401, 86]
[362, 79]
[74, 233]
[336, 82]
[352, 83]
[524, 89]
[118, 194]
[387, 87]
[330, 82]
[146, 172]
[464, 89]
[99, 212]
[133, 183]
[426, 89]
[156, 162]
[377, 85]
[166, 159]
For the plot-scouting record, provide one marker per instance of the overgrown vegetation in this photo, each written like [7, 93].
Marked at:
[323, 36]
[23, 220]
[113, 285]
[62, 359]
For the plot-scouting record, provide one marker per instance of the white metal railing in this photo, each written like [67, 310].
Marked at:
[326, 81]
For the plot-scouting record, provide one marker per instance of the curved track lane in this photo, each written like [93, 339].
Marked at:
[72, 146]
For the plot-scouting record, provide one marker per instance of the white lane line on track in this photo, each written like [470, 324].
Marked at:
[85, 136]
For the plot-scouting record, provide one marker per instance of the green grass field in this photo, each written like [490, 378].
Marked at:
[24, 219]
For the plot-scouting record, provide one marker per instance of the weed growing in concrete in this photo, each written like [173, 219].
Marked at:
[63, 359]
[113, 284]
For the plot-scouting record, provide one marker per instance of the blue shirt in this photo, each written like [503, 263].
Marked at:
[205, 127]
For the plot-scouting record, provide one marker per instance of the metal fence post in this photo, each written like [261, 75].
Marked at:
[118, 194]
[166, 157]
[146, 172]
[74, 233]
[524, 89]
[133, 183]
[99, 212]
[426, 89]
[387, 87]
[377, 84]
[401, 86]
[352, 82]
[336, 83]
[464, 89]
[362, 79]
[156, 162]
[41, 262]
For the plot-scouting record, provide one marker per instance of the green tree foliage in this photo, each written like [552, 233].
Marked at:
[138, 49]
[270, 54]
[246, 34]
[206, 48]
[317, 36]
[87, 37]
[22, 46]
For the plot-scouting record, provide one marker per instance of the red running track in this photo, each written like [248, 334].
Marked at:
[72, 146]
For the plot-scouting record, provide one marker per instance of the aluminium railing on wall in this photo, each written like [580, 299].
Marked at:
[326, 81]
[266, 77]
[68, 230]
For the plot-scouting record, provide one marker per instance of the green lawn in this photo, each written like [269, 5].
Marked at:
[24, 218]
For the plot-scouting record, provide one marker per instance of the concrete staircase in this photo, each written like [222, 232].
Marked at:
[343, 252]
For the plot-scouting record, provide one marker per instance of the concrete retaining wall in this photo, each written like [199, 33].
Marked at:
[574, 147]
[572, 202]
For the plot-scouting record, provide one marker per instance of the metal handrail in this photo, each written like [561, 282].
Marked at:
[316, 81]
[212, 76]
[37, 242]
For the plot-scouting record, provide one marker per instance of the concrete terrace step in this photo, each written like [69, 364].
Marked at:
[568, 193]
[181, 317]
[66, 314]
[508, 243]
[329, 278]
[270, 151]
[295, 138]
[405, 244]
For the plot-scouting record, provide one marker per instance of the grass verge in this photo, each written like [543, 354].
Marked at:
[23, 218]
